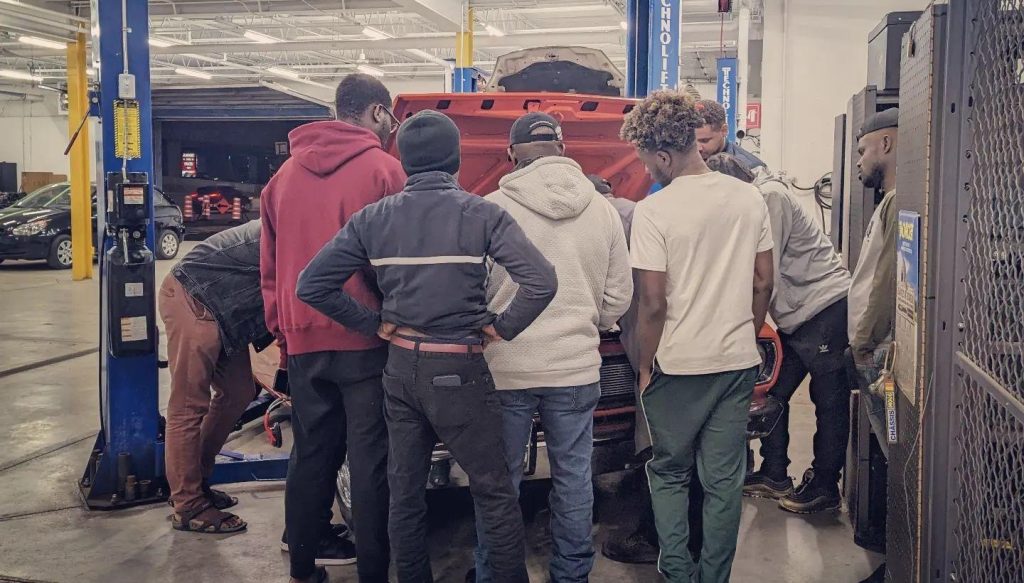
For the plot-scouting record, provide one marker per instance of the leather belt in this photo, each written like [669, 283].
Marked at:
[435, 347]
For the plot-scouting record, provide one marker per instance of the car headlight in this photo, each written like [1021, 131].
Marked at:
[30, 229]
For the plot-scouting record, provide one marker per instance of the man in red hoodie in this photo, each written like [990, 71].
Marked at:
[336, 169]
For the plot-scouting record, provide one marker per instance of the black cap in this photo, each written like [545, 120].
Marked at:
[889, 118]
[523, 130]
[429, 142]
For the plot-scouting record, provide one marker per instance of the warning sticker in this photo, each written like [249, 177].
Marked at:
[134, 329]
[133, 290]
[135, 195]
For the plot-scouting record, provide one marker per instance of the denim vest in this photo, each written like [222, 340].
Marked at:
[223, 274]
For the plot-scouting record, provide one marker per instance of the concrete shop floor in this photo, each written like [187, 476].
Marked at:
[49, 420]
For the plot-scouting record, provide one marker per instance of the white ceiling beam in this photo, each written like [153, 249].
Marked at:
[318, 95]
[30, 92]
[693, 35]
[20, 6]
[256, 8]
[446, 15]
[513, 41]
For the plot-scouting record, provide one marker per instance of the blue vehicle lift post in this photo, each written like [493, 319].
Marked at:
[652, 46]
[126, 465]
[129, 442]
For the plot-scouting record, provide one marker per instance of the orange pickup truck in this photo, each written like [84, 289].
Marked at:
[548, 80]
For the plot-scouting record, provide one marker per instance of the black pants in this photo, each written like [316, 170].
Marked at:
[338, 409]
[451, 397]
[817, 348]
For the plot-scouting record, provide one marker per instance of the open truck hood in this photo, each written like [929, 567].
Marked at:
[590, 123]
[559, 70]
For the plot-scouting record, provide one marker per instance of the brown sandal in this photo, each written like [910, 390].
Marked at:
[221, 500]
[213, 524]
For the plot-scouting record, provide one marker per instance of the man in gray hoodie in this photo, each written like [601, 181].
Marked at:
[809, 308]
[554, 367]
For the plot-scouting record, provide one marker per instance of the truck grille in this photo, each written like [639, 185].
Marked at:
[617, 377]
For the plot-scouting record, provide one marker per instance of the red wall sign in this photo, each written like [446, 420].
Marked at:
[753, 116]
[188, 165]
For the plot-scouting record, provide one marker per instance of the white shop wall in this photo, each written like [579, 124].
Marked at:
[34, 136]
[815, 59]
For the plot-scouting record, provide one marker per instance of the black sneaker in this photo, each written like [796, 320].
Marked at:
[335, 550]
[761, 485]
[338, 530]
[635, 549]
[812, 496]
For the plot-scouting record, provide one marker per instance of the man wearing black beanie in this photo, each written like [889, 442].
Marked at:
[429, 246]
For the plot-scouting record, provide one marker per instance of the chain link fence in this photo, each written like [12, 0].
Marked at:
[989, 495]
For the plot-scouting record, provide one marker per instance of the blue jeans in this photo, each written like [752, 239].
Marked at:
[567, 416]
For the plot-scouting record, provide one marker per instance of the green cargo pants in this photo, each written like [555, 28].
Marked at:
[698, 419]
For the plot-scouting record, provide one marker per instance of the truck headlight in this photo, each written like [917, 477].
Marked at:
[766, 350]
[30, 229]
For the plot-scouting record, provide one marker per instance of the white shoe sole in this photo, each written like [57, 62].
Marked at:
[320, 562]
[334, 562]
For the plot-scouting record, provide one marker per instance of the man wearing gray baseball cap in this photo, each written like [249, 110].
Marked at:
[872, 299]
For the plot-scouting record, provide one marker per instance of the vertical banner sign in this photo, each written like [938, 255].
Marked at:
[908, 294]
[727, 92]
[663, 71]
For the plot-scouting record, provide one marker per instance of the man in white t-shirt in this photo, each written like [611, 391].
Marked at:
[702, 251]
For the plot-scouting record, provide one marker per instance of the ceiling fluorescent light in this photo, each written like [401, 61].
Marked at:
[20, 75]
[374, 33]
[282, 72]
[260, 37]
[42, 42]
[193, 73]
[624, 25]
[159, 43]
[429, 57]
[493, 31]
[370, 70]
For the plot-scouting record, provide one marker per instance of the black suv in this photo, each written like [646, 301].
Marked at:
[39, 226]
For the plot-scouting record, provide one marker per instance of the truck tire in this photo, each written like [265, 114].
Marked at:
[60, 253]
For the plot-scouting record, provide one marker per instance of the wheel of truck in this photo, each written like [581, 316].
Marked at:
[344, 495]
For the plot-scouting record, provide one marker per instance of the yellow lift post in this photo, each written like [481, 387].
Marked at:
[81, 198]
[463, 75]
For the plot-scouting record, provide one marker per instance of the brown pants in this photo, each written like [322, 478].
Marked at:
[198, 421]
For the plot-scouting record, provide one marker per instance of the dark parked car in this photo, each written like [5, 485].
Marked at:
[39, 226]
